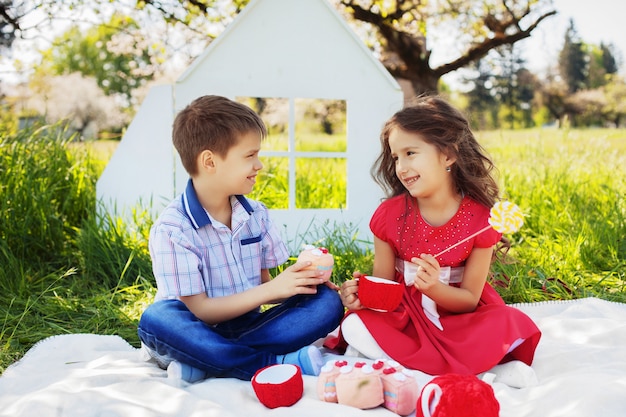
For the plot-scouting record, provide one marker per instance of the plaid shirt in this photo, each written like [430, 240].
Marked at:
[192, 253]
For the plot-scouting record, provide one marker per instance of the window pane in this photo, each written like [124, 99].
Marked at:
[272, 185]
[320, 125]
[275, 114]
[321, 183]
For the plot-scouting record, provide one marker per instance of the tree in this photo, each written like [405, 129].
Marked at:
[615, 92]
[13, 14]
[197, 15]
[602, 64]
[573, 61]
[553, 97]
[9, 23]
[79, 100]
[609, 62]
[404, 25]
[481, 103]
[516, 88]
[587, 107]
[38, 21]
[504, 88]
[118, 60]
[526, 90]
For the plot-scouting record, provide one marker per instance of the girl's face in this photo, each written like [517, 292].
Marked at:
[420, 166]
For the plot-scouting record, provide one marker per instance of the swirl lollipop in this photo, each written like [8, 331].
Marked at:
[504, 217]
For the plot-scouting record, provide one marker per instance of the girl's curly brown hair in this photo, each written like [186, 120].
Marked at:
[445, 127]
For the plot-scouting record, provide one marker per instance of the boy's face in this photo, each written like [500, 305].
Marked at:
[239, 168]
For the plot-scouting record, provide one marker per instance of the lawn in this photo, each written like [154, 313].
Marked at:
[66, 270]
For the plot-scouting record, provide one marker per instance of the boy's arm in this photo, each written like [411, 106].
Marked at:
[218, 309]
[292, 281]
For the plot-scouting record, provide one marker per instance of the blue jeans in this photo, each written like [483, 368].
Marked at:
[241, 346]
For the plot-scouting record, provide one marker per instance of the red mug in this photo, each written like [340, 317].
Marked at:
[379, 294]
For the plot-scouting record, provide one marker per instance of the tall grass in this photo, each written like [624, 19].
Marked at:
[46, 190]
[571, 185]
[349, 251]
[63, 269]
[67, 270]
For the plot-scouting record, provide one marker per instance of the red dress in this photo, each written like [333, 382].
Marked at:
[470, 343]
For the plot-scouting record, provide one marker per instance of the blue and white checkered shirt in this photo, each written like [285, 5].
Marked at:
[193, 253]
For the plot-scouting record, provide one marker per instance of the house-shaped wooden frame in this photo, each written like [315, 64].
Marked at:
[274, 48]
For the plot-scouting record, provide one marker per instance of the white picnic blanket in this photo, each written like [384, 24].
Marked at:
[580, 366]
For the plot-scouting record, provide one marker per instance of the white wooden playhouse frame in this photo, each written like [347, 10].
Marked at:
[275, 48]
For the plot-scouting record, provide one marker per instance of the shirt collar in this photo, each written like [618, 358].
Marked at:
[196, 213]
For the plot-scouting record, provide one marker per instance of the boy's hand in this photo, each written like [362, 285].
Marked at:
[295, 280]
[349, 293]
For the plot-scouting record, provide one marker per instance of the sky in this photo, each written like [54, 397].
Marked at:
[596, 21]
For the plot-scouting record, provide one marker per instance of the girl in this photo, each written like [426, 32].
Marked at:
[440, 189]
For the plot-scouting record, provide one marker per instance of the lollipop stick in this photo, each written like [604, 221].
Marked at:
[504, 217]
[464, 240]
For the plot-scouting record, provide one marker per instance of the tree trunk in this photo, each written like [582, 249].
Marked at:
[425, 83]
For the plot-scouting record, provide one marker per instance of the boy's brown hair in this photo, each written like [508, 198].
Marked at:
[212, 123]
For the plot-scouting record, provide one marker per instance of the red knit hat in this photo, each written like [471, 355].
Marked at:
[453, 395]
[278, 385]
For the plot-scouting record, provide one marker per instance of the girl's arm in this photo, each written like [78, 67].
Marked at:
[461, 299]
[265, 276]
[384, 260]
[384, 267]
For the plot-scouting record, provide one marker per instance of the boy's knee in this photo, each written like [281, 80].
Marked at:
[161, 314]
[328, 294]
[332, 301]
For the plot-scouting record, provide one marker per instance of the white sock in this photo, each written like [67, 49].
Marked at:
[515, 374]
[146, 354]
[181, 371]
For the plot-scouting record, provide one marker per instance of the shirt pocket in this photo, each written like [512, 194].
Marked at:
[251, 256]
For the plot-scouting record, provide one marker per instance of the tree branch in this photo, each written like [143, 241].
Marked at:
[409, 48]
[500, 38]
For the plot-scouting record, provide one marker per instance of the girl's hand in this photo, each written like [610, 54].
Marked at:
[349, 293]
[332, 285]
[427, 275]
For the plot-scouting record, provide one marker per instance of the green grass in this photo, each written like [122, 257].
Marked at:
[320, 183]
[571, 185]
[66, 270]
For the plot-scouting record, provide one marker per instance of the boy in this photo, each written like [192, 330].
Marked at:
[211, 251]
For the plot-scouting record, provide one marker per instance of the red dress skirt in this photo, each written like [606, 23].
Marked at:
[470, 343]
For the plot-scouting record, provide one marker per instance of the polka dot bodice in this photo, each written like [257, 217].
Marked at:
[398, 222]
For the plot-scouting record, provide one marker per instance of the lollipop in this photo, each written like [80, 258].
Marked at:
[504, 217]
